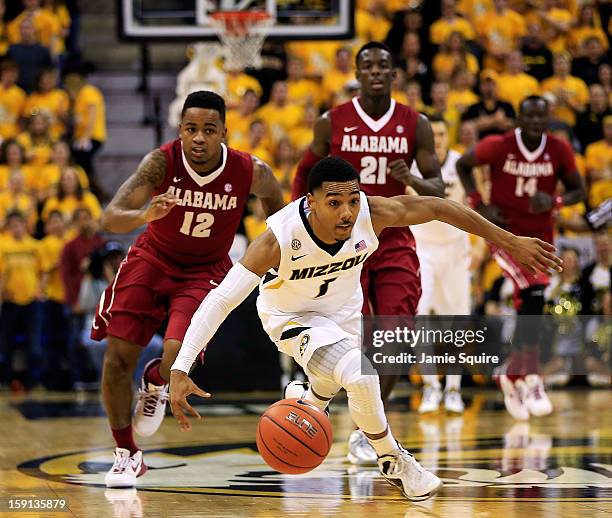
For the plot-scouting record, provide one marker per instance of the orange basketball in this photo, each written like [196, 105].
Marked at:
[294, 436]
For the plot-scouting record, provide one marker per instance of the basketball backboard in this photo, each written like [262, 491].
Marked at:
[188, 20]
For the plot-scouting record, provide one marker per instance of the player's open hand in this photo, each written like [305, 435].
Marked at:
[536, 255]
[399, 170]
[181, 386]
[160, 206]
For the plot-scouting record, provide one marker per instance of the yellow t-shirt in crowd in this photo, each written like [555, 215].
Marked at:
[598, 156]
[318, 56]
[304, 92]
[50, 251]
[559, 15]
[49, 176]
[260, 151]
[580, 164]
[11, 107]
[334, 82]
[23, 203]
[514, 88]
[29, 172]
[63, 21]
[577, 90]
[237, 128]
[20, 268]
[501, 32]
[599, 192]
[444, 64]
[46, 25]
[38, 154]
[69, 204]
[238, 84]
[474, 9]
[461, 100]
[369, 27]
[441, 29]
[254, 227]
[569, 211]
[89, 96]
[300, 137]
[452, 118]
[579, 35]
[281, 120]
[53, 104]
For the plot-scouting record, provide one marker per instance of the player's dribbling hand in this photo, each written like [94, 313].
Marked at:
[160, 206]
[536, 255]
[181, 386]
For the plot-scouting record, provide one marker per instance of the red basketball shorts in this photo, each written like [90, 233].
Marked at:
[391, 279]
[145, 291]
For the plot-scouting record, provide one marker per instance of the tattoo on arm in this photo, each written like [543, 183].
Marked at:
[149, 175]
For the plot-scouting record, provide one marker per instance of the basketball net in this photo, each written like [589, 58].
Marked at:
[241, 34]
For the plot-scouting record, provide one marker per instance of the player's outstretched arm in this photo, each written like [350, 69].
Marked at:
[240, 281]
[427, 161]
[401, 211]
[319, 148]
[266, 187]
[127, 211]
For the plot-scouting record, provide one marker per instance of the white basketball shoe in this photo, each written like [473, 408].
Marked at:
[296, 389]
[431, 399]
[453, 402]
[126, 469]
[514, 397]
[151, 406]
[536, 400]
[402, 470]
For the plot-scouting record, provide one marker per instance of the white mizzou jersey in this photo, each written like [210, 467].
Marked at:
[437, 232]
[310, 279]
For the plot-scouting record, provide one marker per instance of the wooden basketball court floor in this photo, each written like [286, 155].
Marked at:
[56, 447]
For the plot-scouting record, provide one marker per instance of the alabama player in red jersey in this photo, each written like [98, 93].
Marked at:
[380, 138]
[525, 166]
[191, 193]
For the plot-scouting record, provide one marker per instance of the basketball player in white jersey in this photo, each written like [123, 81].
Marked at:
[307, 265]
[444, 256]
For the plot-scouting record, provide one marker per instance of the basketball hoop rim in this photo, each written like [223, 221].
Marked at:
[240, 16]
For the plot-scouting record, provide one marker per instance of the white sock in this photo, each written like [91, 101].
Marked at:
[453, 382]
[432, 380]
[385, 446]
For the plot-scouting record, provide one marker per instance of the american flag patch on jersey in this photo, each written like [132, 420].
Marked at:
[359, 247]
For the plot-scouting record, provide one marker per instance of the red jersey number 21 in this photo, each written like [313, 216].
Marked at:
[373, 169]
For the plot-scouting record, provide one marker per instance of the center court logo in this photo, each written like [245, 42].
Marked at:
[237, 469]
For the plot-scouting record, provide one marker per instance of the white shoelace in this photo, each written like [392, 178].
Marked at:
[121, 463]
[151, 398]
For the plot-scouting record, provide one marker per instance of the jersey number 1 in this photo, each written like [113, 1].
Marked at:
[325, 286]
[204, 221]
[373, 170]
